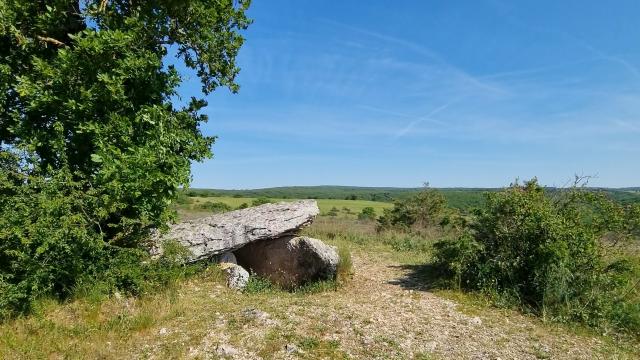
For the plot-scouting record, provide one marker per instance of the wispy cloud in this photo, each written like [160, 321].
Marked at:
[426, 52]
[632, 69]
[402, 132]
[619, 60]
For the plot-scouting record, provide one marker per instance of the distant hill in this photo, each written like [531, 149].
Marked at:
[461, 198]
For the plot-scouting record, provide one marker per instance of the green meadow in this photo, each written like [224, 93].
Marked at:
[345, 207]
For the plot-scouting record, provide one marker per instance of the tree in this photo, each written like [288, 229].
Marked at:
[92, 149]
[85, 89]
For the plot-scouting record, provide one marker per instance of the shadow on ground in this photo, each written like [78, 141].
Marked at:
[423, 277]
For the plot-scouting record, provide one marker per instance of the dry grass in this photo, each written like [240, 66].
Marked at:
[384, 311]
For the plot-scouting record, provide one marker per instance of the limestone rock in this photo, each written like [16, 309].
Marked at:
[225, 350]
[220, 233]
[290, 261]
[227, 257]
[291, 348]
[237, 276]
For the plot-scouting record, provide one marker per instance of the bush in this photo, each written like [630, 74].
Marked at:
[183, 199]
[215, 206]
[347, 210]
[261, 201]
[132, 272]
[344, 271]
[50, 247]
[544, 253]
[367, 213]
[333, 212]
[422, 210]
[243, 206]
[46, 241]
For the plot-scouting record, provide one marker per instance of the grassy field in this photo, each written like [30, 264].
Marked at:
[459, 198]
[325, 205]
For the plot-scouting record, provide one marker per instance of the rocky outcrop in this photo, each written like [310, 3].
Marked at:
[290, 261]
[259, 239]
[217, 234]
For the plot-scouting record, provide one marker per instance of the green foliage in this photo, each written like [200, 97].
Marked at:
[183, 199]
[347, 210]
[50, 246]
[463, 199]
[333, 212]
[368, 213]
[92, 150]
[46, 241]
[400, 241]
[215, 206]
[258, 285]
[132, 271]
[419, 211]
[243, 206]
[344, 270]
[546, 254]
[261, 201]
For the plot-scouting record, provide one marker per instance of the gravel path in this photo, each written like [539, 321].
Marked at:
[381, 314]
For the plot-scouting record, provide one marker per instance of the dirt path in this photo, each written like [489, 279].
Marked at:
[387, 315]
[383, 314]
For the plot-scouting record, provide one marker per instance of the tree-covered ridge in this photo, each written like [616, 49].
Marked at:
[460, 198]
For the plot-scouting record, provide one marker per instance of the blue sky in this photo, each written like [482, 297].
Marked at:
[456, 93]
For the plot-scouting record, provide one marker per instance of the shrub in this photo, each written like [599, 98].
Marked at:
[243, 206]
[261, 201]
[347, 210]
[132, 271]
[215, 206]
[344, 271]
[544, 253]
[419, 211]
[367, 213]
[183, 199]
[333, 212]
[46, 241]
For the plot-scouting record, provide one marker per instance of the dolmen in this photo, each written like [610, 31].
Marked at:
[262, 240]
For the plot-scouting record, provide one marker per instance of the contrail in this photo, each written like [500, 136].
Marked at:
[422, 119]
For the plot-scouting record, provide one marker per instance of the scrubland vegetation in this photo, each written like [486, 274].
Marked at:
[567, 255]
[509, 254]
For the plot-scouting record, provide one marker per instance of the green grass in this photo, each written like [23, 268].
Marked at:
[325, 205]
